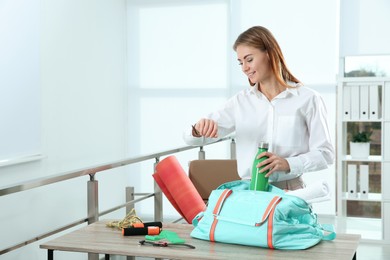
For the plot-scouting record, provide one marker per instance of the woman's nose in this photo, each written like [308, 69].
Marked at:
[244, 67]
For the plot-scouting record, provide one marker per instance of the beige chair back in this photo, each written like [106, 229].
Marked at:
[207, 175]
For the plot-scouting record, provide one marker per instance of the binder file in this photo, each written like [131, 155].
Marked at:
[364, 91]
[386, 179]
[352, 181]
[373, 102]
[386, 224]
[386, 148]
[347, 103]
[363, 171]
[386, 105]
[355, 103]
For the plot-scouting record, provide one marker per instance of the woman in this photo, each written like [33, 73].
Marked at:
[277, 109]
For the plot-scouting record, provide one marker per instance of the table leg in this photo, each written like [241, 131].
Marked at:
[107, 257]
[354, 256]
[50, 255]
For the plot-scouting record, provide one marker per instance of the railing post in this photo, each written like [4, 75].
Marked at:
[158, 207]
[201, 154]
[93, 206]
[93, 200]
[129, 207]
[129, 197]
[233, 149]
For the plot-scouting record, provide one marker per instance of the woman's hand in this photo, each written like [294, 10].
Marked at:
[273, 163]
[207, 128]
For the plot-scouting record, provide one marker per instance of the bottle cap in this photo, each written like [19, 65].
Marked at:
[263, 145]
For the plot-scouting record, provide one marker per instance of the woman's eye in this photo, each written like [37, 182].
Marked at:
[249, 60]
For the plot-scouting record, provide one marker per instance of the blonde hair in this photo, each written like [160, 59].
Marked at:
[261, 38]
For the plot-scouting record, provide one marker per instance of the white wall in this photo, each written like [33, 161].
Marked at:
[20, 98]
[307, 32]
[363, 27]
[83, 93]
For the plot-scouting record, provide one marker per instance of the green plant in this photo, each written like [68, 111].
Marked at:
[362, 137]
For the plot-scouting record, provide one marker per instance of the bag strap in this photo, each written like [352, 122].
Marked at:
[218, 206]
[271, 208]
[275, 200]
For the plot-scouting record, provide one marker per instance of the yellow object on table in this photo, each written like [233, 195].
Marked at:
[127, 222]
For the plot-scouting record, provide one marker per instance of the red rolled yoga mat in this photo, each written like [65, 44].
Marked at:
[178, 188]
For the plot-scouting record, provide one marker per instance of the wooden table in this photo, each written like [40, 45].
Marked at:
[97, 238]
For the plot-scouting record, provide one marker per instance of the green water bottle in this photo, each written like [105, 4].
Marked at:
[259, 181]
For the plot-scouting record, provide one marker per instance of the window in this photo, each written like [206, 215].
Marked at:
[178, 54]
[174, 62]
[367, 66]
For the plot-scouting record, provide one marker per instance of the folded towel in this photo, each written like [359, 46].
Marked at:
[315, 192]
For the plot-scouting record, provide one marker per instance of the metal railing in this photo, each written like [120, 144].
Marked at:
[92, 189]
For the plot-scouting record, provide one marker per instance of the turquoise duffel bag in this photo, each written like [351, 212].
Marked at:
[270, 219]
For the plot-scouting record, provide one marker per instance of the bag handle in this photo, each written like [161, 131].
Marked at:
[271, 206]
[197, 218]
[218, 206]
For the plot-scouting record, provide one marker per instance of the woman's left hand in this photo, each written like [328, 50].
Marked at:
[273, 163]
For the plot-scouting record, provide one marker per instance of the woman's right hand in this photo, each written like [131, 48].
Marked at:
[207, 128]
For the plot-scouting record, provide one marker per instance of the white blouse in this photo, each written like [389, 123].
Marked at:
[294, 124]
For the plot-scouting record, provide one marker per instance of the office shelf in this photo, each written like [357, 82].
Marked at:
[371, 158]
[364, 104]
[375, 197]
